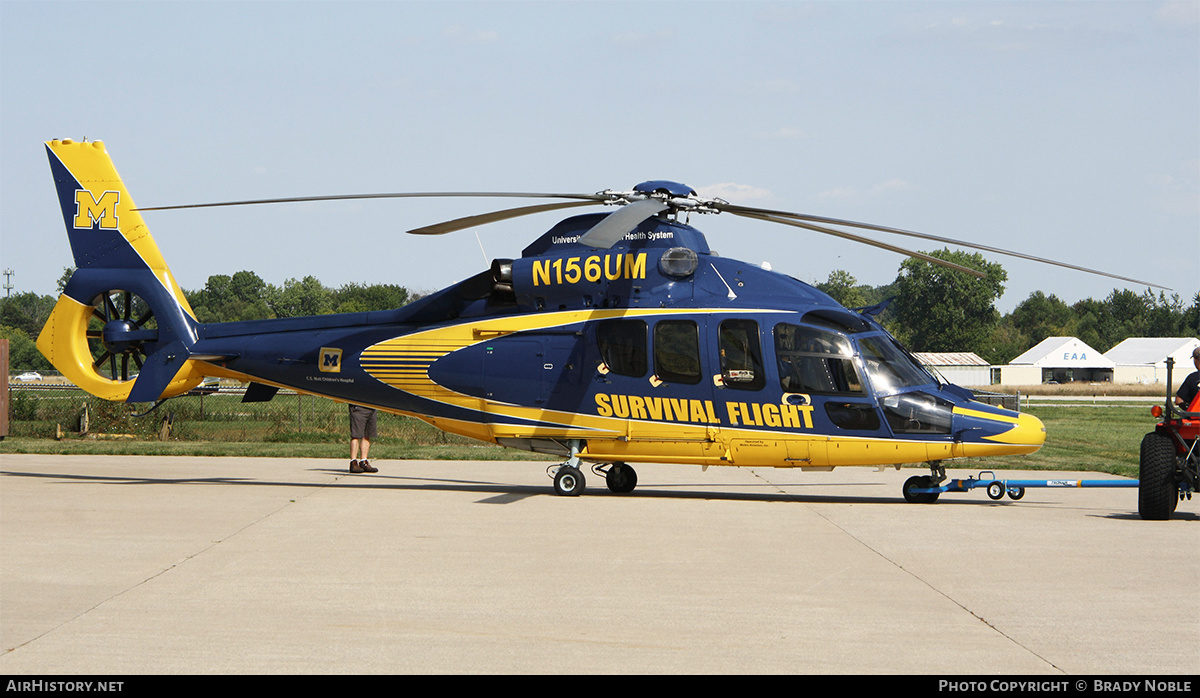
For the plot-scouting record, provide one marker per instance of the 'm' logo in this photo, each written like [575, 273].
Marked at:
[331, 360]
[89, 210]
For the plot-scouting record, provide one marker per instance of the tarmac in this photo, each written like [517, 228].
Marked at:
[182, 565]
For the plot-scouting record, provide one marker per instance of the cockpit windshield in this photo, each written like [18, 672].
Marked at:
[888, 367]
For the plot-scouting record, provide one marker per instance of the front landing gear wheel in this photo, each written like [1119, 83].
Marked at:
[621, 478]
[919, 482]
[568, 481]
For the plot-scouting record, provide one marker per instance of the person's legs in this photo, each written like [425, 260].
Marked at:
[370, 429]
[357, 427]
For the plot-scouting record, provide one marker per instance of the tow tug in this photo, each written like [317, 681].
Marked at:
[1169, 468]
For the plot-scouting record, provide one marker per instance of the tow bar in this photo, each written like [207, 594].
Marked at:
[997, 488]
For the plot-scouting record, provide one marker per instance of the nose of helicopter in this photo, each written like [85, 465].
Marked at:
[1028, 432]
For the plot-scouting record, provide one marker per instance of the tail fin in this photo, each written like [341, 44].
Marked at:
[122, 282]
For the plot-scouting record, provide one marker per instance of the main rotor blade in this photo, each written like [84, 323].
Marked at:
[483, 218]
[398, 195]
[775, 215]
[865, 241]
[617, 224]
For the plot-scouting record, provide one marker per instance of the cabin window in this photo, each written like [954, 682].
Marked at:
[623, 346]
[741, 355]
[852, 415]
[677, 351]
[812, 360]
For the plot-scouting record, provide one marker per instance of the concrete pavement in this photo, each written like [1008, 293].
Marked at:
[138, 565]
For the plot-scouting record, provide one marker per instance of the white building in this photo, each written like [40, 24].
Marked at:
[1058, 360]
[1144, 359]
[960, 368]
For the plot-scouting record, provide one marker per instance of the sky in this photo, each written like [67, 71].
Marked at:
[1068, 130]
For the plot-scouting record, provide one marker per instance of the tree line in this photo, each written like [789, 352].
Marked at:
[245, 296]
[929, 308]
[224, 298]
[934, 309]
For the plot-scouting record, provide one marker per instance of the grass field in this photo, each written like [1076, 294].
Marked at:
[1100, 438]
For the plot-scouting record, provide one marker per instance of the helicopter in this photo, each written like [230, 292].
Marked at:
[615, 338]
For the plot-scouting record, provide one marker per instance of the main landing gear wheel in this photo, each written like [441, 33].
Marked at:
[569, 481]
[919, 482]
[620, 478]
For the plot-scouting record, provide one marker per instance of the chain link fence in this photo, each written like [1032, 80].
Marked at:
[53, 410]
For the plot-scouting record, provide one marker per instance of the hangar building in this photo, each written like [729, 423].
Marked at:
[1144, 359]
[1058, 360]
[960, 368]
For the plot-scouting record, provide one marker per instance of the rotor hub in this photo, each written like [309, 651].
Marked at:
[679, 198]
[117, 336]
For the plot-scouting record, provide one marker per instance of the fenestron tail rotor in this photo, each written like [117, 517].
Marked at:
[120, 326]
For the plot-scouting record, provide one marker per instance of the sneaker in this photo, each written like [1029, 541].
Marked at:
[356, 466]
[367, 467]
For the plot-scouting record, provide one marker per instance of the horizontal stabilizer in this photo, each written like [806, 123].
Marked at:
[260, 392]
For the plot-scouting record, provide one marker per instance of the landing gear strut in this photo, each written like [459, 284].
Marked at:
[621, 478]
[568, 480]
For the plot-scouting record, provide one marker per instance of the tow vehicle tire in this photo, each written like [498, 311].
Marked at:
[568, 481]
[995, 490]
[919, 481]
[1016, 492]
[1158, 492]
[621, 478]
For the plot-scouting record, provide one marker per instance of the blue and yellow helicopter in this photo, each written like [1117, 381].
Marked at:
[614, 338]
